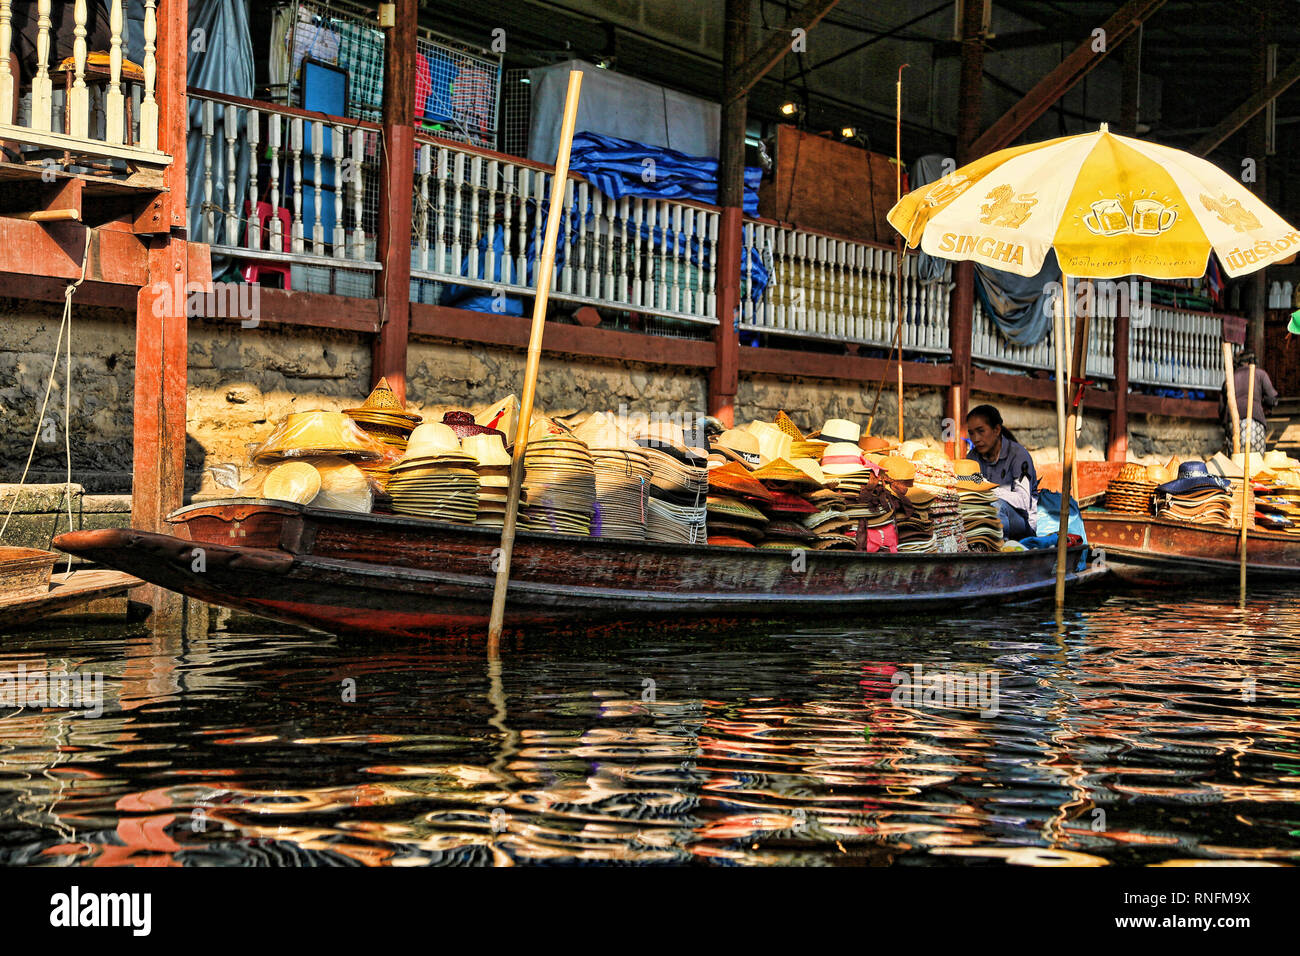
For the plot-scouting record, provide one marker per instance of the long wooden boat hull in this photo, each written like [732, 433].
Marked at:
[1142, 550]
[407, 576]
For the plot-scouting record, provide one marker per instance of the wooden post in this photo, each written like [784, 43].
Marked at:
[1247, 512]
[396, 186]
[724, 377]
[161, 334]
[961, 312]
[1117, 446]
[545, 268]
[1077, 364]
[1230, 384]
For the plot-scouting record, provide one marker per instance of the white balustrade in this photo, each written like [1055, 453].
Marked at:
[634, 254]
[822, 287]
[75, 107]
[313, 170]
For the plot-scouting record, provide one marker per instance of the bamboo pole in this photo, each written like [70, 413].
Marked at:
[545, 268]
[1230, 386]
[902, 246]
[1059, 331]
[1077, 356]
[1247, 512]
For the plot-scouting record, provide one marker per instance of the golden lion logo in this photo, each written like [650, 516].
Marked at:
[1231, 212]
[1007, 209]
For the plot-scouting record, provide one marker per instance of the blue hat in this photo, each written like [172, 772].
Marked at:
[1193, 475]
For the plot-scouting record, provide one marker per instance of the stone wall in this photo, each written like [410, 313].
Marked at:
[241, 381]
[103, 377]
[443, 375]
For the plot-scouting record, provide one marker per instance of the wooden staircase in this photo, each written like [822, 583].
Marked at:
[1284, 425]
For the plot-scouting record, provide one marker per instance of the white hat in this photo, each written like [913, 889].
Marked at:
[487, 449]
[430, 439]
[840, 430]
[845, 450]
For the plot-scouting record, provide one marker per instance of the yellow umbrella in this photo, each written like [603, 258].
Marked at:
[1110, 206]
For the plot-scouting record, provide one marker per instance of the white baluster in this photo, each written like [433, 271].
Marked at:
[149, 105]
[495, 270]
[711, 303]
[424, 163]
[474, 183]
[507, 225]
[7, 93]
[42, 86]
[341, 165]
[566, 196]
[582, 284]
[318, 198]
[273, 124]
[79, 96]
[600, 266]
[114, 101]
[624, 250]
[230, 126]
[209, 130]
[295, 150]
[458, 197]
[638, 214]
[253, 134]
[442, 215]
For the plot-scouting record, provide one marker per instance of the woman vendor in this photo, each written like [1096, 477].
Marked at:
[1004, 462]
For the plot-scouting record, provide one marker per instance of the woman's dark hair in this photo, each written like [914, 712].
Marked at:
[1244, 359]
[992, 417]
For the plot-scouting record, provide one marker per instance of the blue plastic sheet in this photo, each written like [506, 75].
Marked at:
[1018, 305]
[1049, 516]
[225, 67]
[619, 167]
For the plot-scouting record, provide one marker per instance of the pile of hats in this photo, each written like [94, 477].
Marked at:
[845, 463]
[1196, 496]
[335, 447]
[560, 476]
[386, 420]
[492, 465]
[623, 473]
[935, 473]
[734, 504]
[436, 478]
[916, 531]
[979, 507]
[1129, 492]
[676, 510]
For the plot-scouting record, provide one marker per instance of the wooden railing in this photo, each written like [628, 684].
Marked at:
[284, 185]
[476, 223]
[58, 112]
[823, 287]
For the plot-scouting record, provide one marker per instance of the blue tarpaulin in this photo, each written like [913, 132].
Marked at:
[619, 167]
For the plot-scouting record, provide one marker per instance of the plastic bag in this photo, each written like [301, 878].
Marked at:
[317, 433]
[1049, 516]
[342, 485]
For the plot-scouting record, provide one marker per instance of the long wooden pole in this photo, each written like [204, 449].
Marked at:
[1059, 332]
[545, 267]
[1071, 426]
[902, 246]
[1230, 386]
[1247, 512]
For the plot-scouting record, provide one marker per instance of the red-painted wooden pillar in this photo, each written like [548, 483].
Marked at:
[1117, 445]
[396, 184]
[161, 336]
[724, 377]
[962, 303]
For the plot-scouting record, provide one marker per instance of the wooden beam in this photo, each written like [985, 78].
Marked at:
[788, 363]
[54, 249]
[1117, 442]
[1072, 69]
[774, 49]
[1247, 111]
[396, 185]
[463, 326]
[1034, 389]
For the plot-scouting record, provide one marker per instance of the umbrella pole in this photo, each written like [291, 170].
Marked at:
[1059, 333]
[545, 268]
[1247, 512]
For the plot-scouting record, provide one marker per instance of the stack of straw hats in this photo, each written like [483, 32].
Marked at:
[979, 507]
[677, 509]
[622, 472]
[1196, 496]
[492, 465]
[734, 504]
[916, 531]
[561, 481]
[436, 478]
[935, 472]
[1130, 491]
[384, 418]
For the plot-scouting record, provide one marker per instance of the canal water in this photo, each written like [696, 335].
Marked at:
[1129, 733]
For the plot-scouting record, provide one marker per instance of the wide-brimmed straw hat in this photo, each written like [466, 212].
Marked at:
[503, 416]
[782, 470]
[318, 433]
[773, 444]
[735, 479]
[487, 448]
[840, 430]
[842, 458]
[601, 431]
[431, 439]
[1192, 475]
[740, 446]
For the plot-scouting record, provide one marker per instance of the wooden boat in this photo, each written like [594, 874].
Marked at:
[1143, 550]
[64, 593]
[406, 576]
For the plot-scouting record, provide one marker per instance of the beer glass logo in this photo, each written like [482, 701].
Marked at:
[1150, 217]
[1146, 217]
[947, 189]
[1107, 218]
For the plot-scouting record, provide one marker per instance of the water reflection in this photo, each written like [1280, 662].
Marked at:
[1123, 733]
